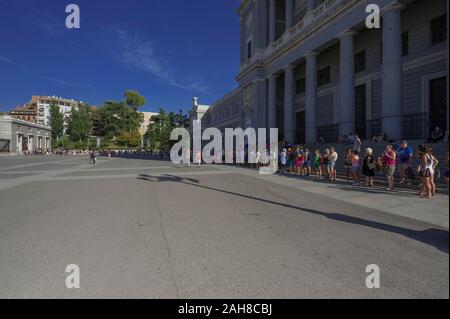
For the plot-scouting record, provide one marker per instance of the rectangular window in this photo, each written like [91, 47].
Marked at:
[323, 76]
[249, 49]
[439, 30]
[360, 61]
[300, 86]
[405, 43]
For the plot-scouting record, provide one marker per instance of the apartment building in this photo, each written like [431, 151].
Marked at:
[43, 104]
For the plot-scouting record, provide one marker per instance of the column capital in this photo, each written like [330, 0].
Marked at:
[289, 66]
[347, 33]
[395, 6]
[272, 76]
[311, 54]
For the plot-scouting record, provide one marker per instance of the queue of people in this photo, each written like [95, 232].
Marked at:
[361, 167]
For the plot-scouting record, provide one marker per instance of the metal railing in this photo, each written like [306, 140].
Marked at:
[420, 125]
[374, 128]
[329, 133]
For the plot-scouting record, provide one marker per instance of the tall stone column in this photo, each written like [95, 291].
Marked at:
[311, 98]
[260, 103]
[272, 21]
[272, 102]
[289, 14]
[347, 84]
[289, 116]
[392, 72]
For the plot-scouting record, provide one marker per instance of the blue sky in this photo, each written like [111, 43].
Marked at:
[169, 50]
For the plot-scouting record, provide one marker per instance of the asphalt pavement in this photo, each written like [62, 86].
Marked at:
[144, 228]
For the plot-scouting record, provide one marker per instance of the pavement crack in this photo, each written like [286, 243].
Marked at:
[170, 258]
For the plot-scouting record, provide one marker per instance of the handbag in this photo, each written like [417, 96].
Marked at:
[371, 165]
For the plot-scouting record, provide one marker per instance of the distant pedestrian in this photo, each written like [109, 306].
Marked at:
[332, 164]
[389, 160]
[325, 161]
[436, 172]
[317, 164]
[357, 144]
[308, 161]
[356, 164]
[348, 163]
[93, 157]
[198, 159]
[299, 160]
[283, 160]
[425, 171]
[404, 159]
[369, 166]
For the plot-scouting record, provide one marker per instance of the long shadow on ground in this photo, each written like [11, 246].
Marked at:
[438, 238]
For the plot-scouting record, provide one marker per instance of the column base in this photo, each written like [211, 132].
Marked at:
[311, 135]
[393, 127]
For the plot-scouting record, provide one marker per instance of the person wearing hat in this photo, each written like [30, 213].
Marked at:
[405, 157]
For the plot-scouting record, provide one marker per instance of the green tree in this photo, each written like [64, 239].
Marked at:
[129, 139]
[134, 99]
[80, 124]
[115, 117]
[158, 133]
[56, 122]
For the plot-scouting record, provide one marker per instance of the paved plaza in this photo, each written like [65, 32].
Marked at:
[144, 228]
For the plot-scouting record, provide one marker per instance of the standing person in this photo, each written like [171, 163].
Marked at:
[299, 164]
[369, 165]
[93, 157]
[356, 164]
[291, 160]
[316, 162]
[283, 160]
[308, 161]
[357, 144]
[425, 171]
[435, 170]
[325, 160]
[198, 158]
[348, 163]
[389, 160]
[404, 158]
[332, 163]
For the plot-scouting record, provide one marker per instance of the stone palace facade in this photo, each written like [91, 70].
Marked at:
[313, 69]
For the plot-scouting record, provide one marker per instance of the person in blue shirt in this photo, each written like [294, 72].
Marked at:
[405, 157]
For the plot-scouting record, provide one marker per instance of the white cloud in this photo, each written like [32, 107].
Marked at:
[139, 53]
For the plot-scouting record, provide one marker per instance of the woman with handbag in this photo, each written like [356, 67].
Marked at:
[369, 166]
